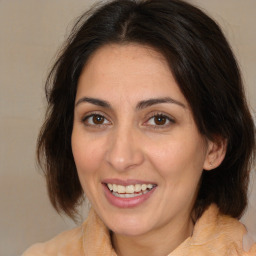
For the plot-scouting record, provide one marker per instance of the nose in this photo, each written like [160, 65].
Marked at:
[124, 151]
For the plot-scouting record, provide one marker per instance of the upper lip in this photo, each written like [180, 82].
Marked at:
[126, 182]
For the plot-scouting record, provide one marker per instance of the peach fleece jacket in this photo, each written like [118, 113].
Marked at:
[214, 234]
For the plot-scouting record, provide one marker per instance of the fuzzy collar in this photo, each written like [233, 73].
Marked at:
[214, 234]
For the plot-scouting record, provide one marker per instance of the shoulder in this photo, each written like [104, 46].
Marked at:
[249, 245]
[222, 233]
[67, 243]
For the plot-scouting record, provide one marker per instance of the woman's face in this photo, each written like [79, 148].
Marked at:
[137, 149]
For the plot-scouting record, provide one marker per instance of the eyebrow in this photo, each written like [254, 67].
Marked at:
[97, 102]
[150, 102]
[141, 105]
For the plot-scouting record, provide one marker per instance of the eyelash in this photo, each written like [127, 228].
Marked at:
[151, 116]
[85, 120]
[161, 115]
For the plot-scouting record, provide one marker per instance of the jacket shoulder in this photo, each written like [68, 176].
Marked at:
[249, 245]
[66, 243]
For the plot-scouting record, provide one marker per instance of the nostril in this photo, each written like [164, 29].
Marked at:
[124, 151]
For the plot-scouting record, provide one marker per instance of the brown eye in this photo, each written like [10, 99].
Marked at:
[98, 119]
[160, 120]
[95, 120]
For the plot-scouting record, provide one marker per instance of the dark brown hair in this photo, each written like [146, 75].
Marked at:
[205, 69]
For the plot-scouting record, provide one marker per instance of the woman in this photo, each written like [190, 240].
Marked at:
[147, 117]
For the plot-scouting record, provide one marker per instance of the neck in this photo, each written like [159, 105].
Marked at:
[160, 242]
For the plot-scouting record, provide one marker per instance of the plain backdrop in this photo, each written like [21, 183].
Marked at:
[31, 31]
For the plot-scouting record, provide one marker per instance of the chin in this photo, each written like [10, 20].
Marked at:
[128, 226]
[130, 231]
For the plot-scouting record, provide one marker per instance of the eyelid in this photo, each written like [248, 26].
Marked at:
[149, 116]
[154, 114]
[91, 114]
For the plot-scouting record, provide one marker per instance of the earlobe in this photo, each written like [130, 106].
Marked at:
[215, 154]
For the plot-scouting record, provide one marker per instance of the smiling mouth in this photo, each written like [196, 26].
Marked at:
[130, 190]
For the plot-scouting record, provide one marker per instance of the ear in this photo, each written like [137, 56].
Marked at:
[216, 152]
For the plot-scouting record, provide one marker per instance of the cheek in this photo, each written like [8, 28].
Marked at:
[178, 159]
[87, 153]
[180, 167]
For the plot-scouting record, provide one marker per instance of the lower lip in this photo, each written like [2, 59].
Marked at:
[127, 202]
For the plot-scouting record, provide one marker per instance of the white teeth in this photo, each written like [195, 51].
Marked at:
[128, 195]
[114, 187]
[150, 186]
[121, 189]
[127, 191]
[137, 188]
[110, 186]
[144, 187]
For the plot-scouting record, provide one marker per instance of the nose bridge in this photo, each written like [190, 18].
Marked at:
[124, 150]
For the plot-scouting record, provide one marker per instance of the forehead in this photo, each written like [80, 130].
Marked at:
[125, 70]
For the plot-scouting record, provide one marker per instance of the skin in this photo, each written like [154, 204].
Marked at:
[128, 143]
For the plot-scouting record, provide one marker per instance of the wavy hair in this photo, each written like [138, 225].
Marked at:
[205, 69]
